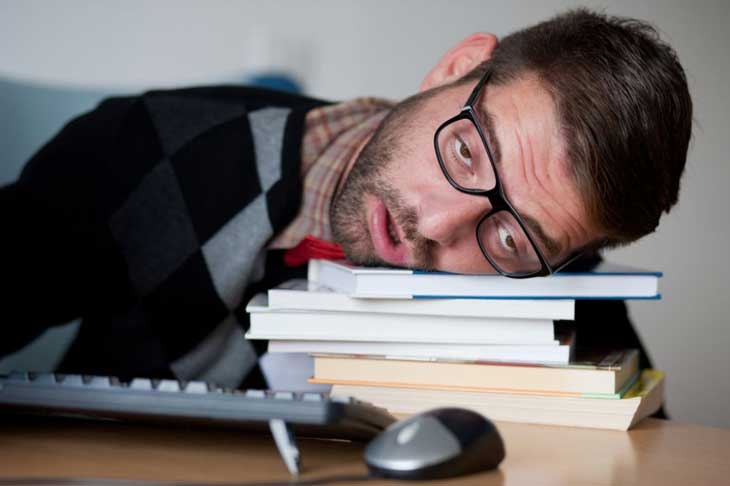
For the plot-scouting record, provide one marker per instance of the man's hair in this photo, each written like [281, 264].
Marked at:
[623, 106]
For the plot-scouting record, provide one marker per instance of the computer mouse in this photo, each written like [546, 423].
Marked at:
[440, 443]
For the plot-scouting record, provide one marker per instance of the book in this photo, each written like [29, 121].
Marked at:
[604, 374]
[607, 281]
[509, 391]
[641, 400]
[302, 294]
[267, 323]
[559, 352]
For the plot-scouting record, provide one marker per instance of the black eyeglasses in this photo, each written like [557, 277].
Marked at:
[467, 163]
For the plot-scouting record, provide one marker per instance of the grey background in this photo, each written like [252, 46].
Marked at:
[59, 58]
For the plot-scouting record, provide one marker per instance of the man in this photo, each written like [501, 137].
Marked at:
[156, 218]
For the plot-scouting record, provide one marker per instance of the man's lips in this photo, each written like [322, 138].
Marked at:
[381, 224]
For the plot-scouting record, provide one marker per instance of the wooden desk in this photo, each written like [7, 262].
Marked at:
[656, 452]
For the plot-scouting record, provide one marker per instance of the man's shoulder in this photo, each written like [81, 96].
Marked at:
[176, 116]
[252, 98]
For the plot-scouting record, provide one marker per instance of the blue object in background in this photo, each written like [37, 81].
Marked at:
[278, 81]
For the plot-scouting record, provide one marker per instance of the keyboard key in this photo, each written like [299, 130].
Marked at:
[196, 387]
[73, 380]
[284, 395]
[45, 379]
[141, 384]
[255, 394]
[312, 397]
[98, 382]
[168, 386]
[18, 377]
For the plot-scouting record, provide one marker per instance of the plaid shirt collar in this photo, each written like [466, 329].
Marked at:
[333, 136]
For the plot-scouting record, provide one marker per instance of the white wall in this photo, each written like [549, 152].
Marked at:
[344, 49]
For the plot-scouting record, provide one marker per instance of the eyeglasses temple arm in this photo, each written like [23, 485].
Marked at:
[478, 88]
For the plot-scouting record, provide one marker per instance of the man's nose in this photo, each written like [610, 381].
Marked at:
[447, 218]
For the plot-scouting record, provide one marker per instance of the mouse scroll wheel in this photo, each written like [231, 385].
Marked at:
[408, 433]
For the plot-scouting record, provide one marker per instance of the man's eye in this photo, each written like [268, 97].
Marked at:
[507, 241]
[461, 149]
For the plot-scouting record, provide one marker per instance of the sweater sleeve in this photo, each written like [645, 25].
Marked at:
[57, 255]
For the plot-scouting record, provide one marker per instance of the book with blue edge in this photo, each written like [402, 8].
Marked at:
[606, 281]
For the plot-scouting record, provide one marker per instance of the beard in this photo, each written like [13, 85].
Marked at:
[348, 217]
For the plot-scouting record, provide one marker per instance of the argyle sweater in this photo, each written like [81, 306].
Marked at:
[148, 217]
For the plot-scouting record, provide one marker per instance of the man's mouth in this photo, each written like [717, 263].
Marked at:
[391, 231]
[386, 235]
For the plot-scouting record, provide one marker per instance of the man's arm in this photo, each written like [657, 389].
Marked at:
[57, 257]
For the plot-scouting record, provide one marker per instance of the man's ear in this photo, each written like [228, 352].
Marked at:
[461, 59]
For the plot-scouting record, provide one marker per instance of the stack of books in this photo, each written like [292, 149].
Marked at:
[409, 341]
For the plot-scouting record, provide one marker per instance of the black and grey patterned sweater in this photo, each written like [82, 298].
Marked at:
[148, 218]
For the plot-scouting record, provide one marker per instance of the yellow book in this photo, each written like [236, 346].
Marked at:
[641, 400]
[606, 373]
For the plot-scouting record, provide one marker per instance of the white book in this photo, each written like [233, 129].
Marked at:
[607, 281]
[302, 294]
[556, 352]
[269, 323]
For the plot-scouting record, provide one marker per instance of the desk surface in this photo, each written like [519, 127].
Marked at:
[656, 452]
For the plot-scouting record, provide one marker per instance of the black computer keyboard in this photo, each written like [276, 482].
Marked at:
[144, 400]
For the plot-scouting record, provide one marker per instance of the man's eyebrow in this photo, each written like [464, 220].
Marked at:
[552, 246]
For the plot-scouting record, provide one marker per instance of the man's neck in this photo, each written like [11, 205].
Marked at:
[334, 137]
[350, 164]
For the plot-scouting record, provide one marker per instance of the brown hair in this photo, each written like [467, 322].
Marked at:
[623, 106]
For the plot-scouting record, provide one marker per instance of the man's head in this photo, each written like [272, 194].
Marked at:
[590, 119]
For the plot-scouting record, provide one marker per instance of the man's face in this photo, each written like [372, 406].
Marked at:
[397, 208]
